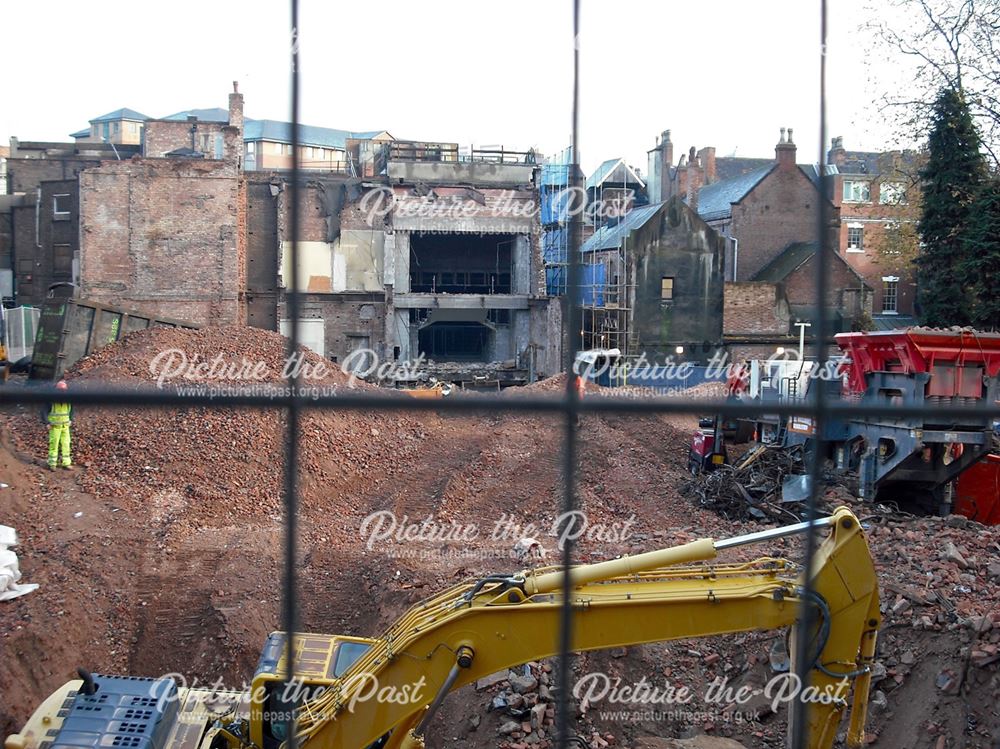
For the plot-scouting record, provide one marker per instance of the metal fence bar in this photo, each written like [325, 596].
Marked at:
[807, 611]
[569, 406]
[572, 402]
[484, 403]
[289, 599]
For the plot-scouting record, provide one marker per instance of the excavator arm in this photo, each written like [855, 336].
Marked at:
[364, 693]
[473, 630]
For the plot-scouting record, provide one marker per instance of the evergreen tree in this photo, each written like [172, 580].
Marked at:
[952, 181]
[981, 249]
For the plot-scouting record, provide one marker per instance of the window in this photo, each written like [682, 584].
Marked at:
[288, 149]
[890, 295]
[857, 191]
[855, 238]
[114, 128]
[892, 193]
[666, 289]
[61, 204]
[62, 258]
[276, 147]
[250, 146]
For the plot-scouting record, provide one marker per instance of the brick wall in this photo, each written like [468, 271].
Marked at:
[27, 174]
[754, 308]
[349, 319]
[780, 210]
[844, 289]
[160, 235]
[164, 136]
[45, 256]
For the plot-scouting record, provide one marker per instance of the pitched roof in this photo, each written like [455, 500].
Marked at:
[893, 322]
[122, 114]
[212, 114]
[729, 167]
[281, 132]
[794, 256]
[614, 170]
[610, 237]
[80, 133]
[715, 200]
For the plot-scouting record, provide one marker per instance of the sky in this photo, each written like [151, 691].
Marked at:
[723, 73]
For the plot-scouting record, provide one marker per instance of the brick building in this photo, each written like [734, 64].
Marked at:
[41, 213]
[439, 258]
[432, 255]
[879, 207]
[768, 209]
[653, 283]
[168, 235]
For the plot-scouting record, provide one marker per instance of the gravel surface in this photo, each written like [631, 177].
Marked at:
[173, 562]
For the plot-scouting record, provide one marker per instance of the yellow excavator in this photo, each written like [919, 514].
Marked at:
[358, 693]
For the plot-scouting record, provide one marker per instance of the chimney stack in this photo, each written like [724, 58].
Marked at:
[784, 152]
[236, 107]
[707, 158]
[837, 155]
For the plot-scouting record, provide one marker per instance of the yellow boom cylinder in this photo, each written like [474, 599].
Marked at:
[696, 551]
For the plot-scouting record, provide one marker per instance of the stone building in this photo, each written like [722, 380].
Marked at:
[653, 284]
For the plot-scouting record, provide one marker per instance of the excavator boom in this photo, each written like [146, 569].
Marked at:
[383, 691]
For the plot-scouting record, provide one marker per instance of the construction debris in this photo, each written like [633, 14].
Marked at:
[752, 487]
[180, 543]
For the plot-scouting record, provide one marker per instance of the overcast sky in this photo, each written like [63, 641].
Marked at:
[727, 73]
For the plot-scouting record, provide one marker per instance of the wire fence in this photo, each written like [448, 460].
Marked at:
[817, 407]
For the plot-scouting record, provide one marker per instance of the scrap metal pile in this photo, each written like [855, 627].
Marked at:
[751, 489]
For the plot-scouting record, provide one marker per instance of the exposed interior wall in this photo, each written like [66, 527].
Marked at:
[160, 236]
[352, 262]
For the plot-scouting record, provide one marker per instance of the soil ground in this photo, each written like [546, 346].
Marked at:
[162, 554]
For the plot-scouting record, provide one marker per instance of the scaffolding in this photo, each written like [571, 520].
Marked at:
[607, 293]
[555, 203]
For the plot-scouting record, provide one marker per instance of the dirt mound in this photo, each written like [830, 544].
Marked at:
[179, 541]
[220, 461]
[227, 354]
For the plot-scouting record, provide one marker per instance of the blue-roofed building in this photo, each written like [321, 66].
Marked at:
[653, 283]
[121, 127]
[268, 145]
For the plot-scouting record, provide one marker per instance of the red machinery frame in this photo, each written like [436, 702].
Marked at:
[921, 350]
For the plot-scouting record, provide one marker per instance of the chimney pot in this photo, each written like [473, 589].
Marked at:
[790, 135]
[782, 140]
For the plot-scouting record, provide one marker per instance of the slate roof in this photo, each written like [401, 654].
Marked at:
[715, 200]
[730, 167]
[281, 132]
[80, 133]
[610, 237]
[893, 322]
[122, 114]
[212, 114]
[788, 260]
[792, 257]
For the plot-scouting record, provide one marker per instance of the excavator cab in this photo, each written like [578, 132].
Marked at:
[320, 661]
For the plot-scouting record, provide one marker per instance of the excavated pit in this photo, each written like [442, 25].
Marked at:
[174, 565]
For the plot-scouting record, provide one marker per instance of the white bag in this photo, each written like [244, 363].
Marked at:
[10, 572]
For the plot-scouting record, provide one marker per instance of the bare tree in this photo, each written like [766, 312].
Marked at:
[949, 44]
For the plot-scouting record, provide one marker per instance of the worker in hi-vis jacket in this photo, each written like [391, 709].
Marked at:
[59, 439]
